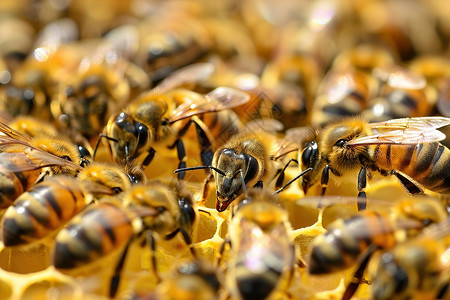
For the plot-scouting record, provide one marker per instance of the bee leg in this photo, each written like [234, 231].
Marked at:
[148, 159]
[41, 177]
[115, 280]
[181, 152]
[205, 189]
[443, 291]
[188, 241]
[410, 186]
[361, 185]
[225, 242]
[204, 141]
[150, 239]
[280, 178]
[325, 178]
[357, 277]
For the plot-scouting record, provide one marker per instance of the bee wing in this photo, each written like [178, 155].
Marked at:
[5, 117]
[96, 188]
[12, 133]
[326, 201]
[402, 78]
[189, 74]
[143, 211]
[218, 99]
[47, 159]
[404, 131]
[439, 230]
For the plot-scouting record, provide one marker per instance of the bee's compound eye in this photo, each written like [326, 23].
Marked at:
[116, 190]
[83, 152]
[309, 153]
[161, 209]
[341, 143]
[142, 134]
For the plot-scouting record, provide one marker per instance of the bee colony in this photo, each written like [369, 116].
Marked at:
[248, 149]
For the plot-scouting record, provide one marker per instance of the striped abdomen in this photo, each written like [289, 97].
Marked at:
[428, 163]
[95, 233]
[346, 239]
[13, 181]
[43, 209]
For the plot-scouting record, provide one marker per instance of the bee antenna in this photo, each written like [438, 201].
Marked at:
[100, 136]
[199, 168]
[292, 180]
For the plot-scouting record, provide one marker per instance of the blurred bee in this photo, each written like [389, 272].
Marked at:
[261, 247]
[148, 122]
[144, 212]
[436, 70]
[34, 82]
[354, 239]
[385, 93]
[98, 88]
[27, 160]
[44, 208]
[418, 268]
[195, 279]
[247, 160]
[48, 205]
[401, 93]
[177, 38]
[407, 148]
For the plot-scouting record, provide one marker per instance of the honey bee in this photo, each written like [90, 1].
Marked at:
[418, 268]
[385, 93]
[148, 122]
[354, 239]
[86, 101]
[246, 160]
[145, 211]
[407, 148]
[27, 160]
[261, 248]
[42, 147]
[34, 82]
[178, 38]
[45, 207]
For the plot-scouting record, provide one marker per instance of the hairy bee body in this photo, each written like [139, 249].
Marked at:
[108, 225]
[96, 233]
[158, 119]
[418, 268]
[353, 240]
[428, 163]
[261, 246]
[42, 209]
[48, 205]
[341, 246]
[354, 144]
[13, 181]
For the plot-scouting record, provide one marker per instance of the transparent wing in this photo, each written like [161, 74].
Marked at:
[404, 131]
[218, 99]
[12, 133]
[189, 74]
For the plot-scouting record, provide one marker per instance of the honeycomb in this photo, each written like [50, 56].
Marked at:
[291, 48]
